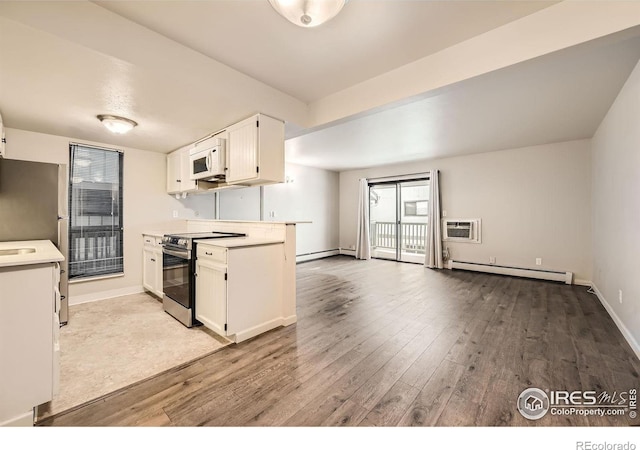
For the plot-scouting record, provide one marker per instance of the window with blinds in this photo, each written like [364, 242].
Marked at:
[95, 212]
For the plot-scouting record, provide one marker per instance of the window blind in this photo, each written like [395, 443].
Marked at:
[95, 212]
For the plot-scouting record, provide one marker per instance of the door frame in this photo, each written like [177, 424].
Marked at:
[397, 182]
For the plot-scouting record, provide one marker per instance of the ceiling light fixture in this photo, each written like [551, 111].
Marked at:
[308, 13]
[116, 124]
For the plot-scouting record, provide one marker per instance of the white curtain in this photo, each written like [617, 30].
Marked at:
[433, 256]
[363, 248]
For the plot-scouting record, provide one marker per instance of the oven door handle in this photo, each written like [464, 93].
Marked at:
[184, 254]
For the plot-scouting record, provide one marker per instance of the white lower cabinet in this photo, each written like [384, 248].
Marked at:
[152, 265]
[239, 290]
[211, 295]
[29, 347]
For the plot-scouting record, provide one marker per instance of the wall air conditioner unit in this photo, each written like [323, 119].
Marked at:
[461, 230]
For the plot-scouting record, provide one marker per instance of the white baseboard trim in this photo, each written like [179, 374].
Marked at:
[258, 329]
[316, 255]
[623, 329]
[286, 321]
[22, 420]
[580, 282]
[348, 252]
[103, 295]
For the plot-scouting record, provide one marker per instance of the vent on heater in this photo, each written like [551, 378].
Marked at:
[461, 230]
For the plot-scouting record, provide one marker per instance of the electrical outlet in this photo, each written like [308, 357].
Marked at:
[175, 214]
[538, 261]
[444, 213]
[620, 296]
[492, 259]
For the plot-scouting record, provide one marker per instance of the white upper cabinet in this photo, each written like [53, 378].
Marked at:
[243, 151]
[254, 156]
[174, 172]
[179, 174]
[256, 151]
[188, 185]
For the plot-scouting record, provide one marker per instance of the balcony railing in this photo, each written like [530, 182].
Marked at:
[383, 235]
[94, 251]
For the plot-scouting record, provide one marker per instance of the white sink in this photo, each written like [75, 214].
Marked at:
[17, 251]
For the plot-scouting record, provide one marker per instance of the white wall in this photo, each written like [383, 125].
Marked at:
[616, 209]
[534, 202]
[311, 196]
[196, 206]
[240, 203]
[146, 204]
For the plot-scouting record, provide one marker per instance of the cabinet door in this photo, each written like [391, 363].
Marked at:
[174, 172]
[254, 303]
[27, 371]
[211, 296]
[187, 183]
[158, 276]
[149, 269]
[242, 146]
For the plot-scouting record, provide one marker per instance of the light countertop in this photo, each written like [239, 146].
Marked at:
[159, 234]
[239, 242]
[43, 252]
[169, 230]
[153, 233]
[272, 222]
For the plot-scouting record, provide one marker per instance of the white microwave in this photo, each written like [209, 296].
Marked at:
[207, 159]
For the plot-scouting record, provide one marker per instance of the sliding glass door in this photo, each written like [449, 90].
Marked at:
[398, 214]
[413, 209]
[383, 209]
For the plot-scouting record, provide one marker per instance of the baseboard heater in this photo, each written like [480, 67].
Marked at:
[565, 277]
[304, 257]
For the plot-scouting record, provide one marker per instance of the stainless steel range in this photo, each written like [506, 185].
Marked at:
[178, 273]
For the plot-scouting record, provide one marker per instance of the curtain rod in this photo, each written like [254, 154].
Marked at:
[410, 176]
[96, 146]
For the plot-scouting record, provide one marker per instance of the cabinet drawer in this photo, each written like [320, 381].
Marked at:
[151, 241]
[211, 253]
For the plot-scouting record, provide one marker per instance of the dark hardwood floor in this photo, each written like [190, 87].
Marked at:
[379, 343]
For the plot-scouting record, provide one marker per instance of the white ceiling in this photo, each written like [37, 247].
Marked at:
[558, 97]
[182, 69]
[366, 39]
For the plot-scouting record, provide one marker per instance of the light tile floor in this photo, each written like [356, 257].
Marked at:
[110, 344]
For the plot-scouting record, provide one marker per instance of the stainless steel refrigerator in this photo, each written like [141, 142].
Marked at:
[33, 206]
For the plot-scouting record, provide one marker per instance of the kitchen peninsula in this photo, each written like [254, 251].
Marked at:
[244, 285]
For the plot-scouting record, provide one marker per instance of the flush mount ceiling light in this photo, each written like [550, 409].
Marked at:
[308, 13]
[117, 124]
